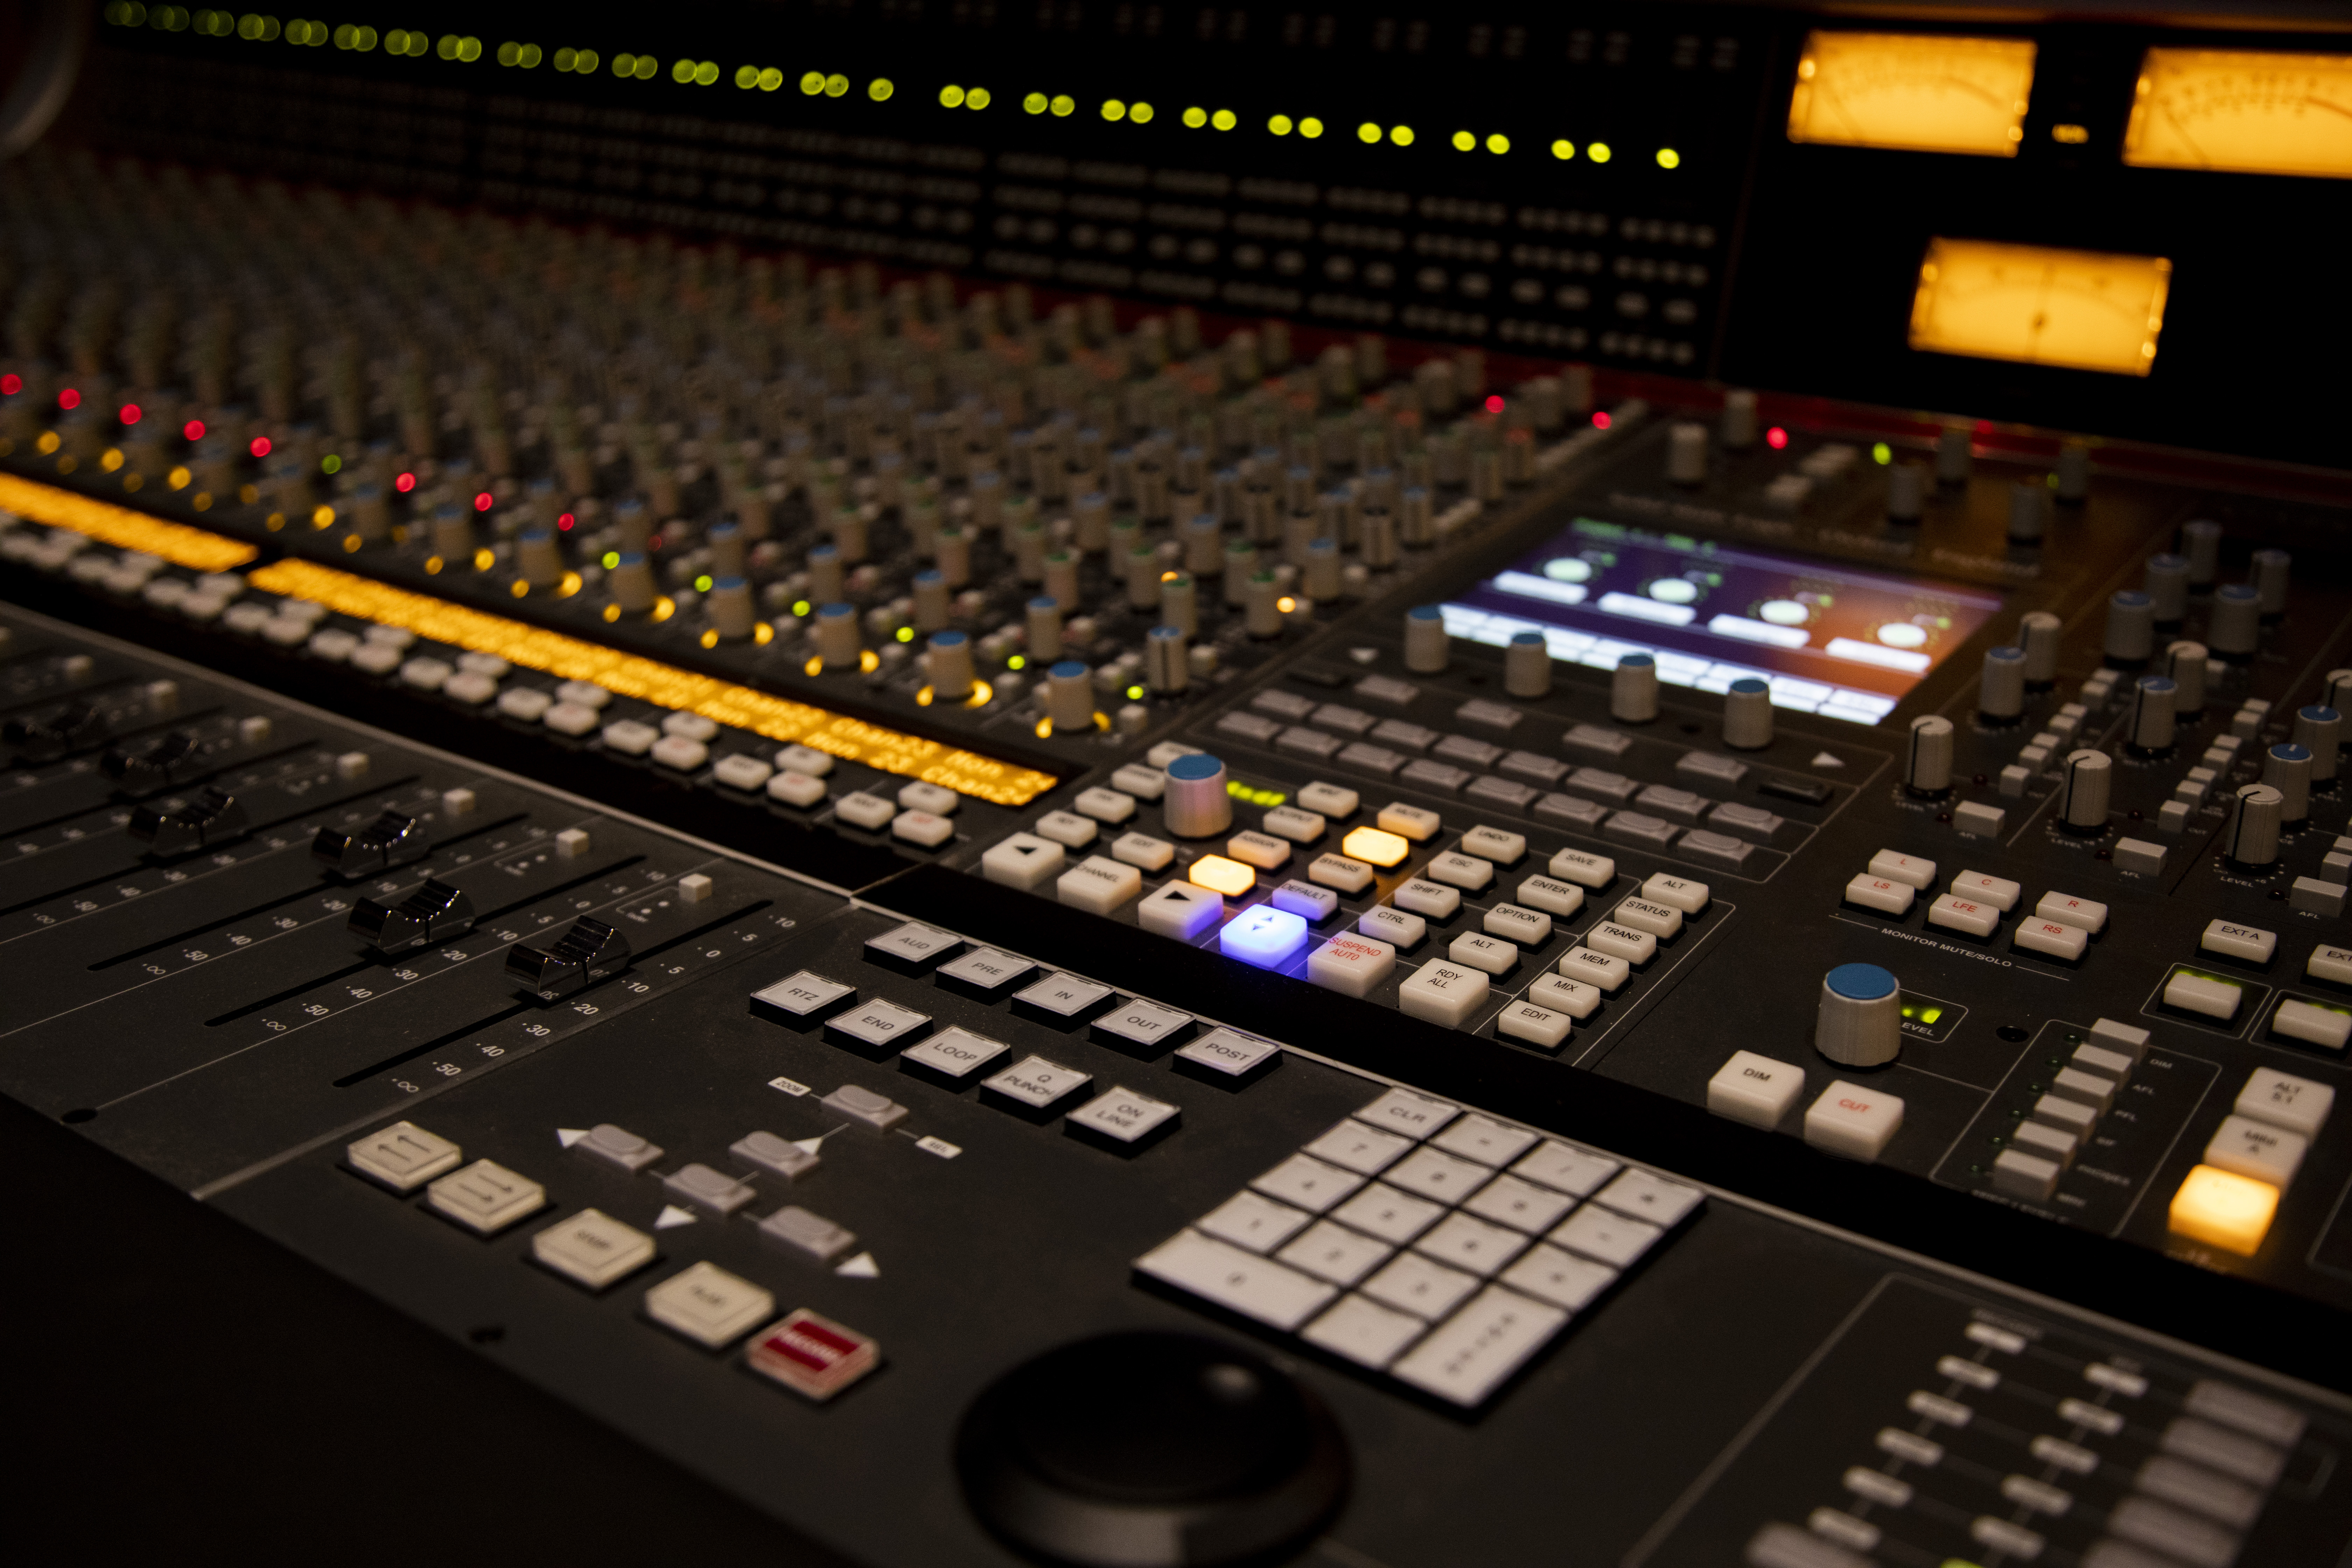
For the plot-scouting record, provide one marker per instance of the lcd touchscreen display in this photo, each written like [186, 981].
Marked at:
[1831, 639]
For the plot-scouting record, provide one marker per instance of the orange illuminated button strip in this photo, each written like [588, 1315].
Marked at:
[195, 548]
[650, 680]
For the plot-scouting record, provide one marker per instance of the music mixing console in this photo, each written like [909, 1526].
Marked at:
[1015, 926]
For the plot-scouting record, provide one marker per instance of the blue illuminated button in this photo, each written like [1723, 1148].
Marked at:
[1265, 936]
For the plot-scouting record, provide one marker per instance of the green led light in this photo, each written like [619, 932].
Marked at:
[702, 584]
[770, 79]
[800, 606]
[1016, 662]
[1882, 454]
[813, 83]
[976, 98]
[682, 72]
[1253, 795]
[1034, 102]
[706, 73]
[905, 633]
[1062, 104]
[1135, 694]
[747, 76]
[610, 559]
[951, 97]
[836, 85]
[330, 464]
[1113, 110]
[880, 88]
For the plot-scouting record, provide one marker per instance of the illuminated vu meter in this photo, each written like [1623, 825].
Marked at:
[1913, 92]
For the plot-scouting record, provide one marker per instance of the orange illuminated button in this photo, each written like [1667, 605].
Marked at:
[2225, 1210]
[1220, 875]
[1375, 846]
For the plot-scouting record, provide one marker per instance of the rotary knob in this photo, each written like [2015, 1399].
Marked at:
[1527, 665]
[2286, 768]
[2253, 835]
[2152, 706]
[2320, 729]
[2000, 694]
[1425, 639]
[1747, 715]
[1860, 1022]
[1927, 768]
[1196, 804]
[2082, 790]
[1633, 690]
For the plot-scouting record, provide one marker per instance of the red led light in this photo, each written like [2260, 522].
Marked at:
[10, 385]
[564, 523]
[1776, 437]
[260, 448]
[1494, 403]
[482, 501]
[69, 398]
[130, 414]
[1600, 420]
[406, 483]
[194, 429]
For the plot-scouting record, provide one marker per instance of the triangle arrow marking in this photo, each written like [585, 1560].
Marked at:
[673, 1216]
[1824, 760]
[861, 1267]
[568, 1136]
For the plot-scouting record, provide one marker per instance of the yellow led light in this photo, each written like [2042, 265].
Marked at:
[976, 98]
[109, 460]
[1140, 113]
[664, 607]
[710, 638]
[1375, 846]
[1465, 142]
[763, 633]
[1563, 150]
[1044, 730]
[484, 560]
[868, 661]
[1220, 875]
[1669, 159]
[47, 443]
[2072, 135]
[1498, 144]
[1196, 117]
[836, 85]
[120, 527]
[1036, 102]
[2034, 305]
[630, 675]
[178, 478]
[951, 97]
[2223, 1209]
[2243, 110]
[1913, 92]
[1597, 152]
[1113, 110]
[1311, 128]
[519, 588]
[1062, 104]
[1402, 135]
[770, 79]
[1279, 125]
[351, 544]
[747, 76]
[1224, 120]
[879, 89]
[570, 586]
[322, 517]
[811, 82]
[1286, 603]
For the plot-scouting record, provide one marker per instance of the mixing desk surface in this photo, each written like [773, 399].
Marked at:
[923, 916]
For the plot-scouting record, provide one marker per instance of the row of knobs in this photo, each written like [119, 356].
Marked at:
[1748, 724]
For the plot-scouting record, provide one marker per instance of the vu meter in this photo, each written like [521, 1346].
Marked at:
[1913, 92]
[2080, 310]
[2243, 111]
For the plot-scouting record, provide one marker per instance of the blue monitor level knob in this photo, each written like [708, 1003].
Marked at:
[1861, 1019]
[1196, 804]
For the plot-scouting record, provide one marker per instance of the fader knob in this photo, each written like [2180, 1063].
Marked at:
[836, 636]
[1262, 605]
[2074, 472]
[1633, 690]
[2251, 839]
[2271, 568]
[2131, 626]
[1180, 602]
[1527, 666]
[1738, 419]
[1043, 623]
[2167, 587]
[1167, 659]
[1070, 697]
[1927, 768]
[2201, 541]
[2185, 662]
[2000, 694]
[2319, 730]
[1953, 461]
[930, 599]
[2286, 768]
[631, 581]
[2029, 511]
[1196, 804]
[948, 660]
[1747, 715]
[729, 608]
[824, 574]
[452, 532]
[2037, 633]
[2236, 628]
[2083, 785]
[1686, 453]
[1860, 1022]
[1906, 492]
[2336, 690]
[536, 557]
[1425, 639]
[2150, 725]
